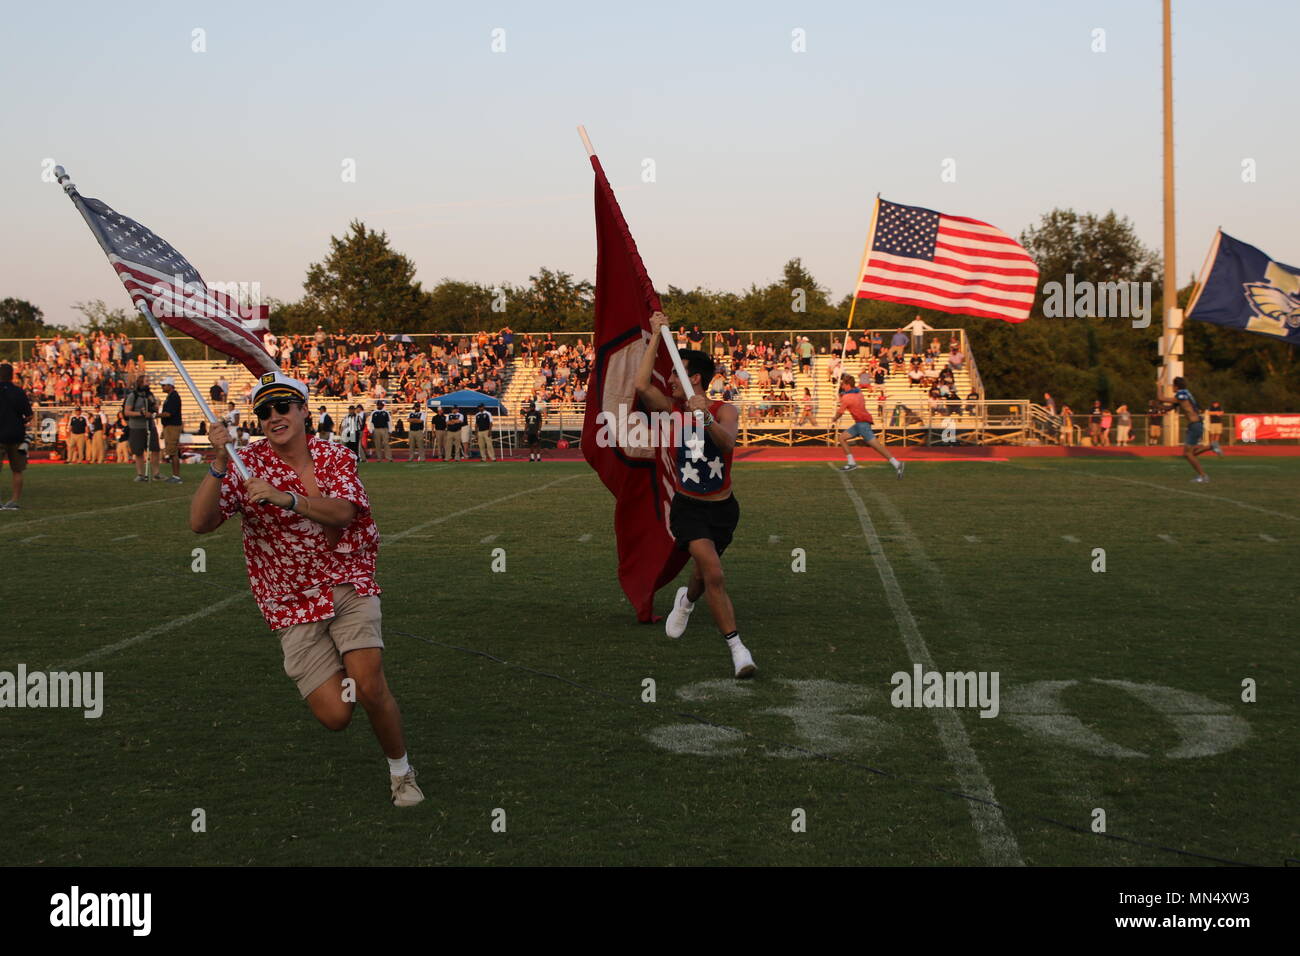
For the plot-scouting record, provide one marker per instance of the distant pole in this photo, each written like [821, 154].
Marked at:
[1171, 330]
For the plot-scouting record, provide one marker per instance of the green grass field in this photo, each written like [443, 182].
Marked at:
[1118, 690]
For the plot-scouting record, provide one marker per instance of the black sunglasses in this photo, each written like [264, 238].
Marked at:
[263, 411]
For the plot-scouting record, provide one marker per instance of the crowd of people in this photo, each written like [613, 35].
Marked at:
[1105, 427]
[79, 369]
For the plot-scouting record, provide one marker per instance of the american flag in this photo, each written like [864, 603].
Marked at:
[949, 263]
[158, 276]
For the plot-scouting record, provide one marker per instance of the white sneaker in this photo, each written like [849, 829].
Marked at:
[406, 792]
[1201, 480]
[680, 616]
[1214, 447]
[849, 466]
[743, 660]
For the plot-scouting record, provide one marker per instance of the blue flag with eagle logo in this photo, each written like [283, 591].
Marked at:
[1247, 290]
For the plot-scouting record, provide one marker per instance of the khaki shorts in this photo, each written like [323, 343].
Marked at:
[314, 652]
[15, 455]
[172, 439]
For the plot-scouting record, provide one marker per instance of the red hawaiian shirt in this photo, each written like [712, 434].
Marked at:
[291, 566]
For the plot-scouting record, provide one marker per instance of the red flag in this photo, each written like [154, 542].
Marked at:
[638, 477]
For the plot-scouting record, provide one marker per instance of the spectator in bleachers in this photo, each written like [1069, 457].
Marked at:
[918, 328]
[897, 345]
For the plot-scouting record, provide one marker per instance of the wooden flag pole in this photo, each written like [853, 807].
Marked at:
[866, 253]
[1206, 266]
[70, 188]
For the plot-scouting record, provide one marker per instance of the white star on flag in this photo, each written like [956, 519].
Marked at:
[715, 468]
[690, 474]
[696, 444]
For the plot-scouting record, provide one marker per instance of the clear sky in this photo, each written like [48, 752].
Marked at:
[468, 158]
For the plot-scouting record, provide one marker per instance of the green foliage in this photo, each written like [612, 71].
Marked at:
[364, 284]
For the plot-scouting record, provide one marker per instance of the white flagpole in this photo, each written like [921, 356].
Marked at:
[70, 188]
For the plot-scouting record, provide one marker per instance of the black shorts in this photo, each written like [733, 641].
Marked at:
[532, 438]
[690, 519]
[139, 437]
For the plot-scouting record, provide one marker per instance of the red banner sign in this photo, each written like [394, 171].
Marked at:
[1252, 428]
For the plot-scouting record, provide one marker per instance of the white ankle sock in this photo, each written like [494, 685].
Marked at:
[398, 767]
[850, 459]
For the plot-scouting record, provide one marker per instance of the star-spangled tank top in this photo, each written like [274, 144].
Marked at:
[700, 468]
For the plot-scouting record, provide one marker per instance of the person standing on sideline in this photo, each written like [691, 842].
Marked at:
[455, 422]
[380, 423]
[533, 431]
[78, 434]
[851, 401]
[1214, 418]
[704, 513]
[311, 546]
[440, 447]
[415, 423]
[351, 433]
[483, 431]
[140, 408]
[98, 435]
[1123, 426]
[15, 413]
[324, 425]
[171, 425]
[1185, 402]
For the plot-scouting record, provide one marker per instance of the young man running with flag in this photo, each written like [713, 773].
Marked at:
[704, 513]
[1192, 447]
[311, 544]
[851, 401]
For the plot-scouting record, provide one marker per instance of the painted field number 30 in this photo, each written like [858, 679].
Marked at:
[824, 720]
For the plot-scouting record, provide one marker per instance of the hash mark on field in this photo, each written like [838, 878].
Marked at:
[1268, 537]
[997, 843]
[124, 537]
[31, 539]
[1167, 538]
[773, 539]
[584, 539]
[488, 539]
[973, 539]
[1070, 538]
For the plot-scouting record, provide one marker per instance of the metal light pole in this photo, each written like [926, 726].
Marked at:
[1171, 336]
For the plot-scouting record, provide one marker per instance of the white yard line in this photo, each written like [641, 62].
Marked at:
[1167, 538]
[997, 843]
[1070, 538]
[488, 539]
[98, 511]
[153, 632]
[487, 504]
[1194, 494]
[1268, 537]
[125, 537]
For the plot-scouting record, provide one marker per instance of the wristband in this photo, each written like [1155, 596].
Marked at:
[708, 419]
[219, 475]
[293, 502]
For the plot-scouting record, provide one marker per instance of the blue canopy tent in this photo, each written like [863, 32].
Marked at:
[469, 399]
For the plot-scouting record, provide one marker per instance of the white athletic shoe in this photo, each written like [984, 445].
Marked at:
[1201, 480]
[898, 469]
[743, 660]
[406, 792]
[1214, 447]
[680, 616]
[849, 466]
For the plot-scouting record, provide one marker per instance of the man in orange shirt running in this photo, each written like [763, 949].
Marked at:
[851, 401]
